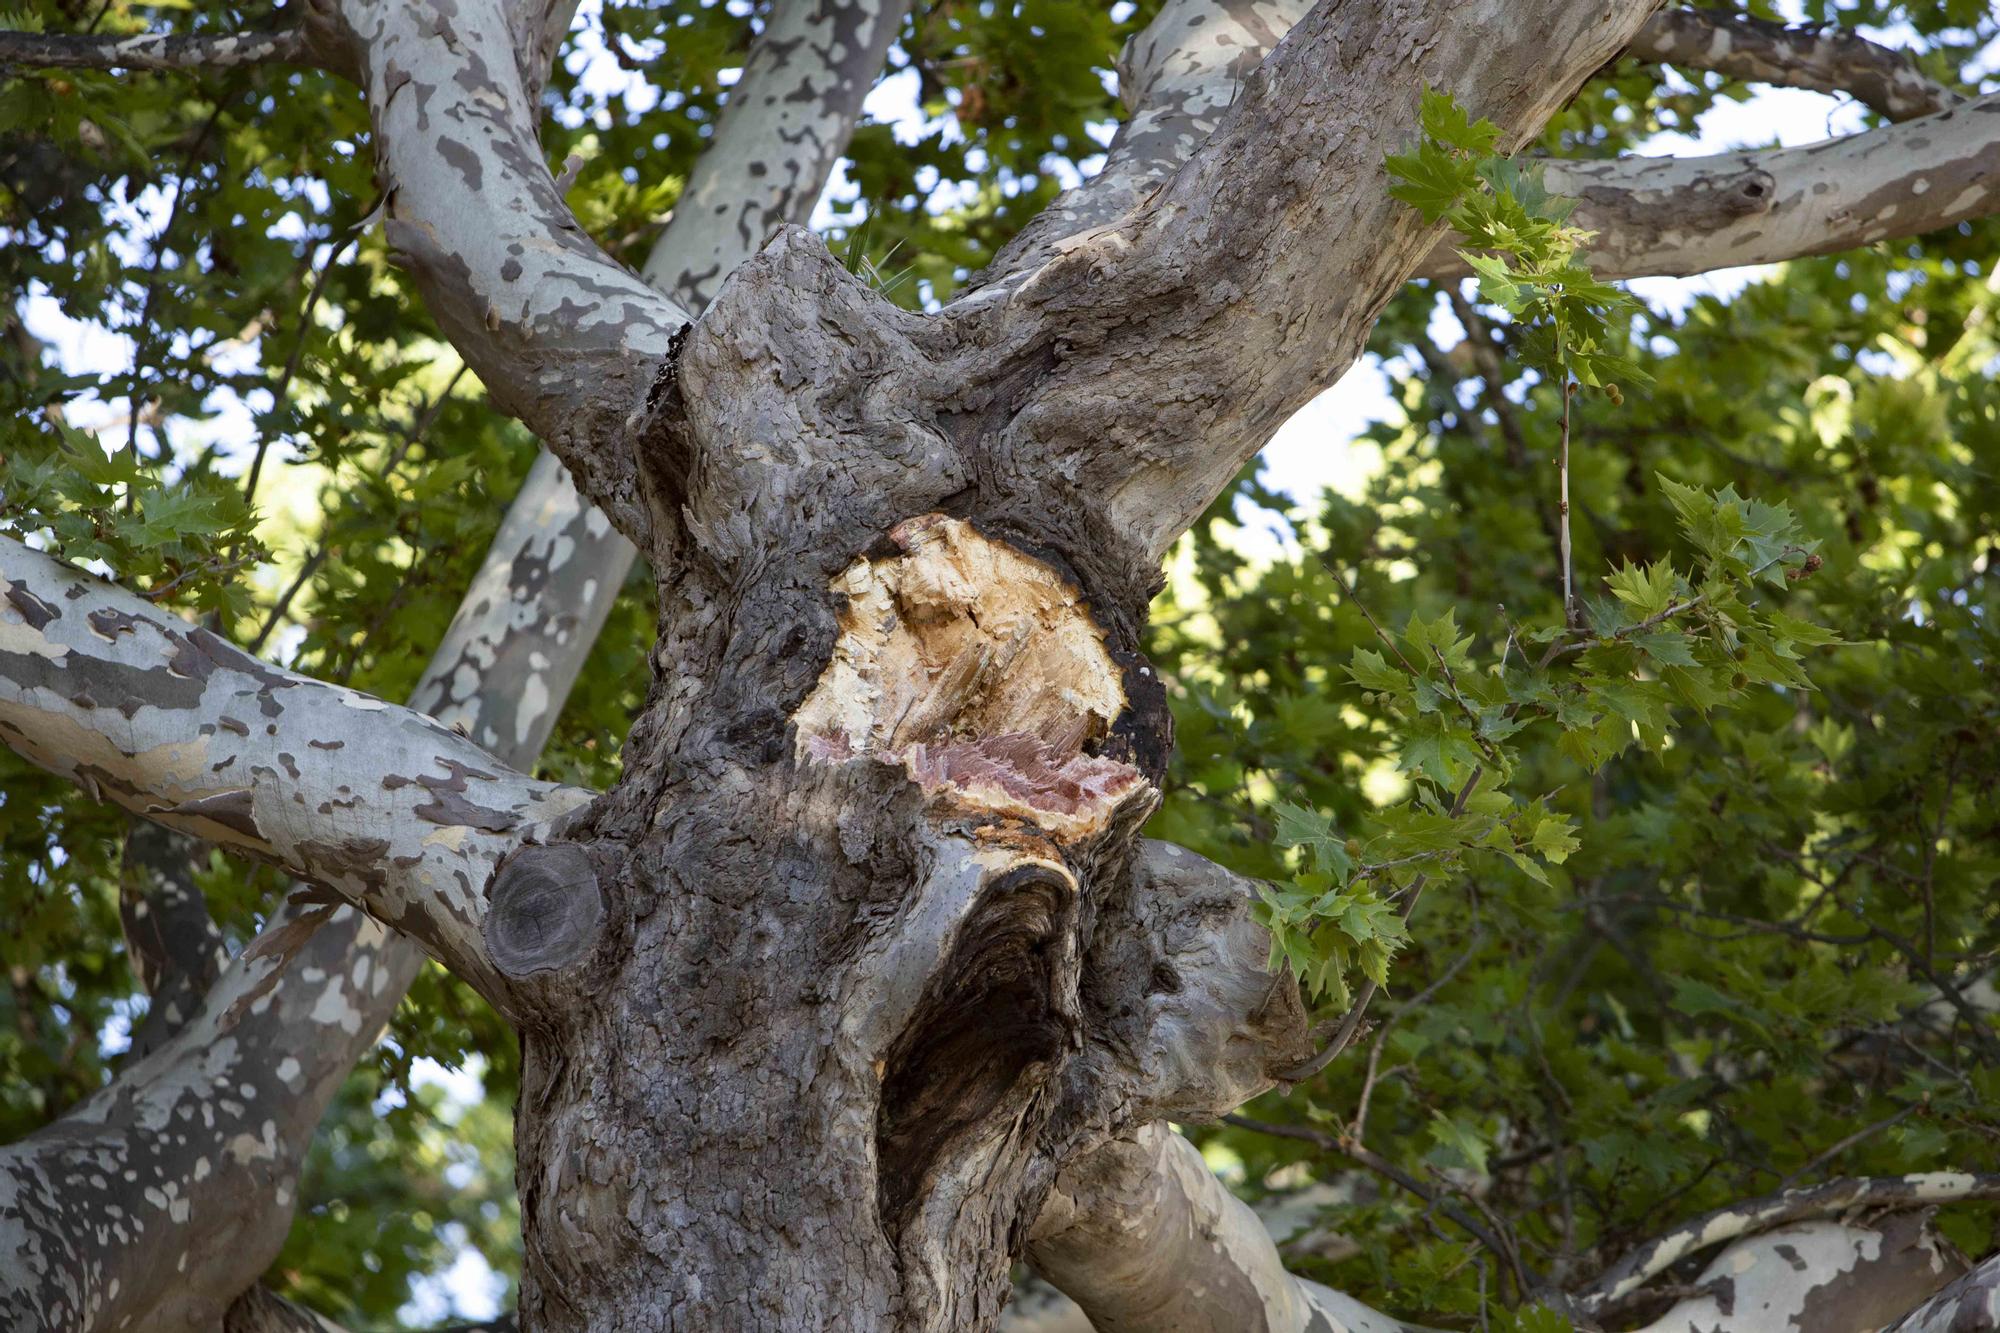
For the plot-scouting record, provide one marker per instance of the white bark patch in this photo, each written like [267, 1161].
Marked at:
[980, 670]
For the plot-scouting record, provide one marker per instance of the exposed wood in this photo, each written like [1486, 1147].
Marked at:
[545, 911]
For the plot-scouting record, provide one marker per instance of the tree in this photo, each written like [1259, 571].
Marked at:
[858, 982]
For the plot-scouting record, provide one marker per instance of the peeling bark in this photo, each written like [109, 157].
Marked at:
[879, 817]
[521, 634]
[175, 950]
[399, 815]
[152, 51]
[562, 336]
[130, 1211]
[785, 125]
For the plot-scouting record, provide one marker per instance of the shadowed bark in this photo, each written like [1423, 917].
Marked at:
[868, 967]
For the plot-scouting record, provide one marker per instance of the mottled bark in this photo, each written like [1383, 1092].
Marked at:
[869, 966]
[171, 941]
[522, 632]
[152, 51]
[1679, 216]
[1629, 1274]
[563, 336]
[501, 675]
[786, 123]
[138, 1208]
[382, 806]
[1144, 1237]
[1828, 59]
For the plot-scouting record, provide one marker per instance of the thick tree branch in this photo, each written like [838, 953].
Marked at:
[1678, 216]
[1969, 1304]
[563, 336]
[175, 950]
[787, 121]
[1824, 59]
[526, 626]
[1142, 1236]
[1187, 1019]
[1626, 1276]
[156, 1201]
[1176, 78]
[1260, 265]
[502, 675]
[397, 814]
[153, 51]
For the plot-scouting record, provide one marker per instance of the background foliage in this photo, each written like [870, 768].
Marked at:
[1765, 959]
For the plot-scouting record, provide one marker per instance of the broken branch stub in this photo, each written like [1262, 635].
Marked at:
[545, 911]
[980, 671]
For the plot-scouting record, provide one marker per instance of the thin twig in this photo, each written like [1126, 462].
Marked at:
[1562, 508]
[284, 383]
[1351, 1148]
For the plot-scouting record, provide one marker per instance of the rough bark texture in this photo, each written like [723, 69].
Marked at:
[501, 676]
[522, 633]
[874, 957]
[397, 814]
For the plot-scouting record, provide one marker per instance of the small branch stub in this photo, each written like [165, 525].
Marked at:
[546, 911]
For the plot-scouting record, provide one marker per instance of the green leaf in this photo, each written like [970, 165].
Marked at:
[1371, 671]
[1460, 1142]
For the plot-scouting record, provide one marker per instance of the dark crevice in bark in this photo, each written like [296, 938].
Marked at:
[993, 1014]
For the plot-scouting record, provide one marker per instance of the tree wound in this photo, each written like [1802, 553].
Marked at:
[989, 1020]
[981, 672]
[546, 911]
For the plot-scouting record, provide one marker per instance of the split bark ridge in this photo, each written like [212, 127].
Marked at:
[862, 962]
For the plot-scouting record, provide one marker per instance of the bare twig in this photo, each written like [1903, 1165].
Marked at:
[284, 383]
[1355, 1151]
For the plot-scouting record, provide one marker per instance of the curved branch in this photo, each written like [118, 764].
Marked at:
[132, 1210]
[1176, 77]
[1972, 1302]
[502, 674]
[563, 336]
[1142, 1235]
[1250, 278]
[526, 625]
[386, 808]
[1626, 1276]
[174, 948]
[1824, 59]
[1676, 216]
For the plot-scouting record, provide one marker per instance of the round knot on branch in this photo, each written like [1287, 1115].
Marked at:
[545, 911]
